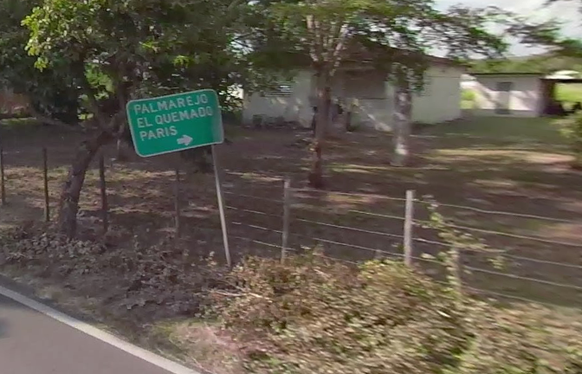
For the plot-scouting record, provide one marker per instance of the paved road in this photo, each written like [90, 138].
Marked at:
[32, 343]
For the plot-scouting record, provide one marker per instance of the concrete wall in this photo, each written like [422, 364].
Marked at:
[440, 100]
[372, 98]
[292, 108]
[524, 99]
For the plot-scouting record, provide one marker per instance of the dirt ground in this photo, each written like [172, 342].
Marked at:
[502, 169]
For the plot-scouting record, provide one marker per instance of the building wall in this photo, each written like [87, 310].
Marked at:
[524, 99]
[371, 102]
[374, 98]
[293, 107]
[440, 101]
[367, 94]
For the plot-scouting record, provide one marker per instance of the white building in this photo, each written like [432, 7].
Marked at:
[468, 82]
[515, 94]
[370, 93]
[565, 74]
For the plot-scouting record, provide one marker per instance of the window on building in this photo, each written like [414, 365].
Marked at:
[503, 100]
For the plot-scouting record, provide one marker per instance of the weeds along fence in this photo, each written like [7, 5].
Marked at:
[495, 262]
[501, 254]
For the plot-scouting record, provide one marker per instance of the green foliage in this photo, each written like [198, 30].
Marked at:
[311, 315]
[569, 92]
[468, 95]
[574, 363]
[546, 63]
[118, 50]
[467, 99]
[51, 94]
[571, 129]
[394, 35]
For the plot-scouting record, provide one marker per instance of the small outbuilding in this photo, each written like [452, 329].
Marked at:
[516, 94]
[363, 91]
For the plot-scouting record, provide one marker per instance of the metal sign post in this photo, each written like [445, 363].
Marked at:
[220, 197]
[178, 122]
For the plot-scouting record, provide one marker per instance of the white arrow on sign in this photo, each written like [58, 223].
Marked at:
[185, 140]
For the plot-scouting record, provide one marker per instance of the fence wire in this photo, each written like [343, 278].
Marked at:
[426, 235]
[383, 233]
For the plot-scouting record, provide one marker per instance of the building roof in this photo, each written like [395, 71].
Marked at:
[565, 74]
[507, 74]
[541, 76]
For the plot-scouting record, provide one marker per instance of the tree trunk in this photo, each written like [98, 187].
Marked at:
[121, 151]
[71, 191]
[124, 139]
[323, 99]
[337, 120]
[402, 124]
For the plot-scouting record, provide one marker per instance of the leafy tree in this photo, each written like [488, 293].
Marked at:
[571, 129]
[544, 63]
[549, 35]
[395, 35]
[119, 50]
[565, 53]
[54, 98]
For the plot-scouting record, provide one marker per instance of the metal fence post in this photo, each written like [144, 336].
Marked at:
[286, 210]
[221, 206]
[47, 212]
[2, 178]
[408, 223]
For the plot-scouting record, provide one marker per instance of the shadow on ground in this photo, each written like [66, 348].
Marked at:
[507, 175]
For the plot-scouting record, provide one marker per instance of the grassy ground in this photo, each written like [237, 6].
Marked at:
[467, 99]
[495, 164]
[569, 92]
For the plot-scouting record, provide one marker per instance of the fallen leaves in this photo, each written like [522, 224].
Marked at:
[149, 282]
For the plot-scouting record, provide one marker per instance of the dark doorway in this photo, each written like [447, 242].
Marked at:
[502, 103]
[560, 96]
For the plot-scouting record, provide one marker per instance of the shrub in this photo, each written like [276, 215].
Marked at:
[571, 129]
[310, 315]
[468, 95]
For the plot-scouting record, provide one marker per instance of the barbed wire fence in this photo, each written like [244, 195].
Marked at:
[523, 275]
[355, 227]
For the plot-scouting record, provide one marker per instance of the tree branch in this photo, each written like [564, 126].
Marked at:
[315, 35]
[340, 43]
[100, 118]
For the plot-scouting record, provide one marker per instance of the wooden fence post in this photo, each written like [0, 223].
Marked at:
[408, 224]
[2, 178]
[177, 213]
[47, 208]
[103, 187]
[286, 210]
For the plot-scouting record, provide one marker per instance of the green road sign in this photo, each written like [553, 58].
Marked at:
[174, 123]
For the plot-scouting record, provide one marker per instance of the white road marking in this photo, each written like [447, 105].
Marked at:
[152, 358]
